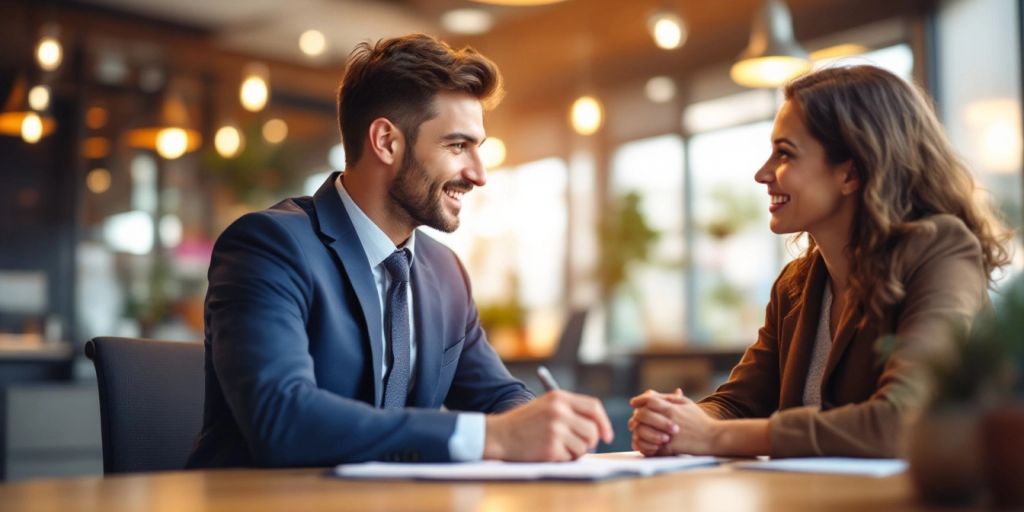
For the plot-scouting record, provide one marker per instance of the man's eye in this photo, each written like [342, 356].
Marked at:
[458, 146]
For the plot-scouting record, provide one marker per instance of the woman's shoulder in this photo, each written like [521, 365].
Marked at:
[934, 234]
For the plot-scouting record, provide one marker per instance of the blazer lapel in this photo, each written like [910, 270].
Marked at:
[798, 358]
[429, 339]
[849, 326]
[341, 237]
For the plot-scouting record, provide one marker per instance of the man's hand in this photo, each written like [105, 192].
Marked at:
[558, 426]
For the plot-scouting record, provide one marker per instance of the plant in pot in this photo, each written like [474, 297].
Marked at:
[969, 438]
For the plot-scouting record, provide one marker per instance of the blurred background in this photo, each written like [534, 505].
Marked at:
[621, 238]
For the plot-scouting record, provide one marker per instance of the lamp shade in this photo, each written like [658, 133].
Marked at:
[773, 56]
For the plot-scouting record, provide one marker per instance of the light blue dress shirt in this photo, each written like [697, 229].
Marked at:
[467, 442]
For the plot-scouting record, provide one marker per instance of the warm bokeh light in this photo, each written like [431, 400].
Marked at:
[228, 141]
[668, 30]
[492, 152]
[275, 131]
[660, 89]
[31, 128]
[95, 148]
[587, 115]
[313, 43]
[98, 180]
[39, 97]
[49, 53]
[254, 91]
[96, 117]
[467, 21]
[171, 143]
[838, 51]
[994, 125]
[769, 72]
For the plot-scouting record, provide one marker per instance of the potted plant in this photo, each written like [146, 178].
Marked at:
[968, 441]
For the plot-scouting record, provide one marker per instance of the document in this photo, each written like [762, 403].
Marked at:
[832, 465]
[590, 467]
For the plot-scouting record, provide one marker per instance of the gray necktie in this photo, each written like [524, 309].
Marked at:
[397, 380]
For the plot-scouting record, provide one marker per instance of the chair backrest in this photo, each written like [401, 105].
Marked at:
[564, 362]
[151, 401]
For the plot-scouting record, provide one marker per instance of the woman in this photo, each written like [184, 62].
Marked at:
[897, 245]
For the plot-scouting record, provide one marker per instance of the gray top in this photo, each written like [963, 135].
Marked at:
[822, 346]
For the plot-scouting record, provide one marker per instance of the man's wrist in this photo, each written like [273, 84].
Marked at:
[493, 442]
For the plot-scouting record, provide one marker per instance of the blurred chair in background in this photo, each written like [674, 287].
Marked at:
[151, 401]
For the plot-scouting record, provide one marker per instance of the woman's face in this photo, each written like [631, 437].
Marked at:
[807, 193]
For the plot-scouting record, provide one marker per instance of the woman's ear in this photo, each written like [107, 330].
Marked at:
[385, 141]
[850, 178]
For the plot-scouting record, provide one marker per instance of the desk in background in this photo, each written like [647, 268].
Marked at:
[310, 490]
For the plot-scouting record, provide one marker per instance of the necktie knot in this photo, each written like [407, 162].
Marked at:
[397, 265]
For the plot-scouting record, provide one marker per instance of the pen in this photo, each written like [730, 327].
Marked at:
[547, 379]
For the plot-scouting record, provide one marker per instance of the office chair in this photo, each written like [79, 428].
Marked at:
[564, 362]
[151, 401]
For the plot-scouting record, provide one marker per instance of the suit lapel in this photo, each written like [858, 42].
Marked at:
[342, 239]
[849, 326]
[798, 358]
[429, 339]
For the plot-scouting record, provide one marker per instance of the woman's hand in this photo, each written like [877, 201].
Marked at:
[671, 423]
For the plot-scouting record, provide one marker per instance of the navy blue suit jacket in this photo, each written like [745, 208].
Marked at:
[293, 346]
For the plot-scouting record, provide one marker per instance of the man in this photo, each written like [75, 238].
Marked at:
[335, 331]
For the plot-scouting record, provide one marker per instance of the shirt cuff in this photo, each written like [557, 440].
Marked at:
[467, 442]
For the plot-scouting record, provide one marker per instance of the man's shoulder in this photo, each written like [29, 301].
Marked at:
[295, 215]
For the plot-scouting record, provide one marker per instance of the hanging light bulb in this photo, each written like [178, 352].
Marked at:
[31, 128]
[229, 141]
[773, 55]
[171, 143]
[587, 115]
[39, 98]
[255, 91]
[49, 52]
[667, 29]
[312, 43]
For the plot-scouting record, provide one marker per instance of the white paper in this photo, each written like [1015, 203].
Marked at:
[588, 467]
[830, 465]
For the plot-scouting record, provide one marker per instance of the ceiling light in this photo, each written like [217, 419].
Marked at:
[94, 148]
[49, 53]
[667, 29]
[96, 117]
[228, 141]
[587, 115]
[773, 56]
[275, 131]
[31, 128]
[660, 89]
[838, 51]
[492, 152]
[39, 97]
[312, 43]
[168, 133]
[255, 91]
[467, 21]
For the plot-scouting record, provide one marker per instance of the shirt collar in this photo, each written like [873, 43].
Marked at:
[376, 244]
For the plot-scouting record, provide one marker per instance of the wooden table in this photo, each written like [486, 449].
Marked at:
[717, 489]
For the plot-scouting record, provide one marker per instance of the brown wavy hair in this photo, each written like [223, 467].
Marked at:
[907, 167]
[398, 79]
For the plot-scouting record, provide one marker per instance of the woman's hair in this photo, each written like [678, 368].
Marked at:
[907, 168]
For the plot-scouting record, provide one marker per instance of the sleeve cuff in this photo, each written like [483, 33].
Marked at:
[467, 441]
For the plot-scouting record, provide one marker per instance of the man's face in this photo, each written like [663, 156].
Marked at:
[443, 164]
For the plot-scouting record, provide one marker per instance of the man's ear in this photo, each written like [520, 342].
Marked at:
[849, 176]
[385, 141]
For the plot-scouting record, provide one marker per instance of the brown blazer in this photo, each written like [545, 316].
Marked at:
[865, 399]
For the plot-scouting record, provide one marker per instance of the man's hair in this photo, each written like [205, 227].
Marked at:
[398, 79]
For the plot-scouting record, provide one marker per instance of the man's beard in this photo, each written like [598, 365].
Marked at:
[420, 198]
